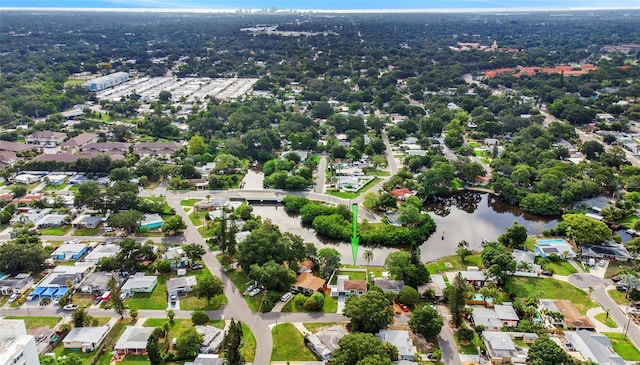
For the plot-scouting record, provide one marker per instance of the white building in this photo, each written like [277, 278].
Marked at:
[107, 81]
[85, 339]
[16, 347]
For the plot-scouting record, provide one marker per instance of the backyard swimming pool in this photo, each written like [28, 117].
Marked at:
[552, 242]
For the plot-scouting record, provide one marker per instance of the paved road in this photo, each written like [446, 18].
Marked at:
[599, 294]
[321, 176]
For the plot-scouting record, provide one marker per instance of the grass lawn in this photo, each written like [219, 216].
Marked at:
[472, 347]
[619, 297]
[157, 299]
[288, 344]
[175, 328]
[205, 232]
[629, 221]
[193, 303]
[35, 322]
[189, 202]
[456, 263]
[314, 327]
[623, 346]
[248, 348]
[109, 342]
[55, 187]
[56, 231]
[74, 82]
[83, 300]
[197, 218]
[530, 243]
[547, 288]
[240, 279]
[376, 270]
[346, 195]
[87, 231]
[602, 317]
[616, 267]
[330, 306]
[85, 357]
[561, 267]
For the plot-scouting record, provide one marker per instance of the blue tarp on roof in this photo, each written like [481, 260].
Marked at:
[38, 290]
[61, 292]
[49, 292]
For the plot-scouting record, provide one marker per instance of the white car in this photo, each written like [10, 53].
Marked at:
[254, 292]
[602, 263]
[286, 296]
[70, 307]
[13, 297]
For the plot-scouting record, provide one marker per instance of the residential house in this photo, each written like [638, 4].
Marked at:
[596, 204]
[607, 250]
[212, 338]
[96, 283]
[86, 221]
[55, 284]
[348, 287]
[15, 146]
[571, 317]
[593, 346]
[157, 149]
[108, 148]
[494, 319]
[502, 350]
[181, 285]
[7, 159]
[18, 284]
[151, 221]
[74, 144]
[69, 251]
[133, 340]
[85, 339]
[45, 138]
[437, 285]
[199, 184]
[206, 359]
[402, 194]
[325, 342]
[473, 275]
[140, 283]
[30, 216]
[16, 347]
[387, 284]
[525, 261]
[308, 284]
[211, 204]
[51, 220]
[176, 257]
[401, 340]
[27, 179]
[559, 247]
[55, 179]
[101, 251]
[77, 179]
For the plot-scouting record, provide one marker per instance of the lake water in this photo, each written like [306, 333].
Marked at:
[465, 216]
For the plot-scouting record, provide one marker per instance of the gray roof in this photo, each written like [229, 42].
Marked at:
[594, 346]
[506, 312]
[97, 280]
[499, 341]
[400, 339]
[485, 317]
[605, 249]
[387, 284]
[102, 251]
[206, 359]
[324, 342]
[181, 282]
[524, 256]
[87, 334]
[134, 337]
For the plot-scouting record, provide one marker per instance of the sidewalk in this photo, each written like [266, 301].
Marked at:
[601, 327]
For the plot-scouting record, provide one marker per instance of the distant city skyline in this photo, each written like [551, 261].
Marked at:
[320, 5]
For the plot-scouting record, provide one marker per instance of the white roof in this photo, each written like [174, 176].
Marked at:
[69, 248]
[102, 251]
[87, 334]
[400, 339]
[134, 337]
[141, 281]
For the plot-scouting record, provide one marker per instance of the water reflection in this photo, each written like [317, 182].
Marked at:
[465, 216]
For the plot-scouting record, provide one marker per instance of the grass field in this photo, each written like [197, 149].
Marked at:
[34, 322]
[623, 346]
[546, 288]
[619, 297]
[602, 317]
[288, 344]
[193, 303]
[87, 231]
[561, 267]
[197, 218]
[248, 349]
[56, 231]
[175, 327]
[347, 195]
[189, 202]
[455, 262]
[472, 347]
[314, 327]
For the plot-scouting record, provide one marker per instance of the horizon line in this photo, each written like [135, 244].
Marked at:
[327, 11]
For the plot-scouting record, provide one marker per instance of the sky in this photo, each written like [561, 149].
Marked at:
[319, 5]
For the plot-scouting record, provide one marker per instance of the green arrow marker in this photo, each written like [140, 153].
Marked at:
[354, 238]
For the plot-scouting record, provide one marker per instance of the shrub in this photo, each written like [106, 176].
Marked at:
[199, 318]
[465, 334]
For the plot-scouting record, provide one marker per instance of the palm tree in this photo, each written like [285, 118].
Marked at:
[208, 197]
[368, 256]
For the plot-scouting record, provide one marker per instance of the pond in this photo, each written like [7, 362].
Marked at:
[468, 216]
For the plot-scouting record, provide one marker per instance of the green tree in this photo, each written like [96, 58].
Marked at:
[171, 315]
[116, 300]
[546, 351]
[456, 295]
[369, 312]
[128, 220]
[196, 146]
[199, 318]
[426, 321]
[356, 347]
[189, 342]
[315, 302]
[133, 313]
[273, 276]
[329, 260]
[120, 174]
[541, 204]
[409, 296]
[208, 287]
[80, 317]
[173, 224]
[232, 343]
[19, 191]
[194, 251]
[587, 230]
[367, 255]
[463, 250]
[402, 267]
[515, 237]
[153, 350]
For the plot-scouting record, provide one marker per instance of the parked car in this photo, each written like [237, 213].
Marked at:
[196, 266]
[632, 310]
[404, 307]
[70, 307]
[13, 297]
[97, 300]
[254, 292]
[602, 263]
[286, 296]
[621, 287]
[123, 296]
[173, 298]
[546, 273]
